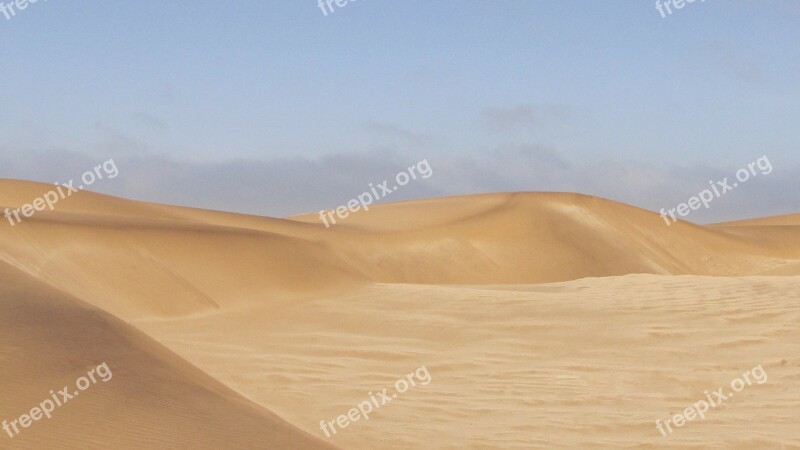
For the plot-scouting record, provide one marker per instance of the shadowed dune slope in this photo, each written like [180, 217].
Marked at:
[153, 400]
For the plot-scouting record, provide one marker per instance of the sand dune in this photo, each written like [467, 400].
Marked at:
[498, 238]
[153, 399]
[304, 321]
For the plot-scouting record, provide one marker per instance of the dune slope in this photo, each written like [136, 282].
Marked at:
[153, 398]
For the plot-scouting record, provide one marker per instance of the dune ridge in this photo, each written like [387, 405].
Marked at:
[485, 239]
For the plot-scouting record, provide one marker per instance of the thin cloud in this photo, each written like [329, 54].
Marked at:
[521, 117]
[287, 186]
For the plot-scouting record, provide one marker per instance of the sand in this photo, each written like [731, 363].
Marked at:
[544, 319]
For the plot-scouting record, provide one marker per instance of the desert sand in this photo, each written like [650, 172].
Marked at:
[544, 319]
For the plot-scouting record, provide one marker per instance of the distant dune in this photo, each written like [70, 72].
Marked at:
[234, 331]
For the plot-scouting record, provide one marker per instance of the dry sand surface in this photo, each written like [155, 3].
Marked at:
[543, 319]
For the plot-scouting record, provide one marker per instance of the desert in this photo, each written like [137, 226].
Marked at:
[540, 318]
[366, 225]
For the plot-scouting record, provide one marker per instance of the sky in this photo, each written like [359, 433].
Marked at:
[276, 108]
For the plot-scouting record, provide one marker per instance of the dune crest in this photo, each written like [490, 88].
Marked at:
[120, 254]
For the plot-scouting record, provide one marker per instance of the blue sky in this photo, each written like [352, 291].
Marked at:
[606, 98]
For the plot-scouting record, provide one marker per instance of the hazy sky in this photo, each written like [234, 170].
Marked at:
[271, 107]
